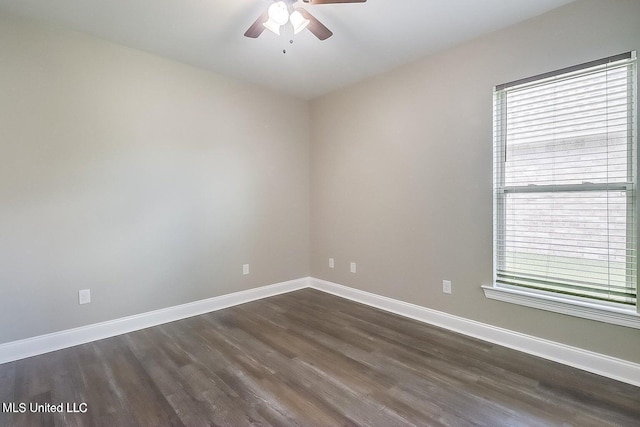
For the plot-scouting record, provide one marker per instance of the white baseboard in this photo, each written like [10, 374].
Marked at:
[589, 361]
[16, 350]
[596, 363]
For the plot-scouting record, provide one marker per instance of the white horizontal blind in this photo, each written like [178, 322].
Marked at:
[564, 182]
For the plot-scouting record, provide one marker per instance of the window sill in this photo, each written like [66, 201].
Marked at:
[586, 310]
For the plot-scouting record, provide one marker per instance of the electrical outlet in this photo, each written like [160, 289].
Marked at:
[245, 269]
[353, 267]
[446, 286]
[84, 296]
[332, 263]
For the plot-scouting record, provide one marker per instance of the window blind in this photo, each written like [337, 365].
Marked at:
[565, 182]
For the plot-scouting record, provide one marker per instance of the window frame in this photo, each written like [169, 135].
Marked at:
[593, 309]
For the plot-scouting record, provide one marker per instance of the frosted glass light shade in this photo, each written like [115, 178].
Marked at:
[278, 16]
[272, 26]
[298, 21]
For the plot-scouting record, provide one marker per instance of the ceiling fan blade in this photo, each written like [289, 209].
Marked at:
[333, 1]
[315, 26]
[257, 28]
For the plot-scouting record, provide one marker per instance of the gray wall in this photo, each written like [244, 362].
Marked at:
[147, 181]
[401, 171]
[152, 182]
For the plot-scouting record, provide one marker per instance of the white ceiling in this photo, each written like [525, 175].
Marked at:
[369, 38]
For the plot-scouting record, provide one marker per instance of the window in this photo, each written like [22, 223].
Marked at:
[565, 166]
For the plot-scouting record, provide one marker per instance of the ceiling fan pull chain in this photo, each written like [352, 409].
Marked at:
[289, 36]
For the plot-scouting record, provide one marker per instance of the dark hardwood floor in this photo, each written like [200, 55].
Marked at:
[310, 359]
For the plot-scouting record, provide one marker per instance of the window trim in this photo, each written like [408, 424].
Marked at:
[571, 306]
[614, 58]
[574, 306]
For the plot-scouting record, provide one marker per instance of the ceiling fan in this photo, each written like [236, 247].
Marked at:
[282, 11]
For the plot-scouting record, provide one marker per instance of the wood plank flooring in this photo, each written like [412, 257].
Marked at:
[308, 359]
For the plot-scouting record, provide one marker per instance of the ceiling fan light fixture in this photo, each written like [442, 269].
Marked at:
[280, 12]
[278, 16]
[298, 21]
